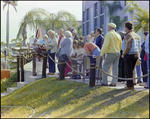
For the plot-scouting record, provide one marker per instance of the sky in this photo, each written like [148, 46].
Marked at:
[74, 7]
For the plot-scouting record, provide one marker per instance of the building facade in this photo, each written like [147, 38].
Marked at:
[95, 15]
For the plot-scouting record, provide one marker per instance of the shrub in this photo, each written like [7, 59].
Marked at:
[8, 82]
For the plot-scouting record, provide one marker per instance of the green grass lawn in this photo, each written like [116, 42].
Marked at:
[73, 99]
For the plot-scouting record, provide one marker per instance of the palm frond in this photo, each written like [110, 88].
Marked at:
[4, 6]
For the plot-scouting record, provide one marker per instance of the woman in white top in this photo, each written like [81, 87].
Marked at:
[51, 47]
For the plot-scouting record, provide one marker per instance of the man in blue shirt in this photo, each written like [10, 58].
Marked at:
[99, 42]
[100, 38]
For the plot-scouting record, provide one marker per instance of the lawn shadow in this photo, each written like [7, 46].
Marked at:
[96, 99]
[128, 110]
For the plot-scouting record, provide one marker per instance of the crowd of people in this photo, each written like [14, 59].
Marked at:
[121, 53]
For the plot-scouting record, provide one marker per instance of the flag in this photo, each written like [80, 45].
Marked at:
[39, 33]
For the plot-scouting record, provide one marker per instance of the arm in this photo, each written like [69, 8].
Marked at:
[63, 43]
[105, 45]
[128, 46]
[147, 42]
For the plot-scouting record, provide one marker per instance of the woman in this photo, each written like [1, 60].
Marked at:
[51, 47]
[88, 38]
[143, 62]
[66, 50]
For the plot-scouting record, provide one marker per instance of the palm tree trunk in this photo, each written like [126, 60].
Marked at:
[24, 35]
[7, 28]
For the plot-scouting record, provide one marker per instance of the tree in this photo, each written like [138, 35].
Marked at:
[2, 42]
[141, 20]
[40, 17]
[112, 8]
[59, 20]
[32, 19]
[79, 30]
[13, 3]
[118, 21]
[131, 7]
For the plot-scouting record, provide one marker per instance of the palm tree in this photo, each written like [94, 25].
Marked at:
[32, 19]
[79, 30]
[59, 20]
[13, 3]
[113, 8]
[141, 20]
[131, 7]
[40, 17]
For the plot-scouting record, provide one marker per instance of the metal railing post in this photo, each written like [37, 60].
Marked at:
[34, 64]
[44, 64]
[22, 68]
[18, 72]
[62, 69]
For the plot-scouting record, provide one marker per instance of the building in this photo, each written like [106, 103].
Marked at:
[95, 15]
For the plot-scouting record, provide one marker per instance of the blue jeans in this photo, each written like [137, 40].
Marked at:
[138, 71]
[144, 69]
[96, 52]
[51, 63]
[147, 69]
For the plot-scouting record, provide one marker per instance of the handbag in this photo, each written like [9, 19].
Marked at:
[63, 57]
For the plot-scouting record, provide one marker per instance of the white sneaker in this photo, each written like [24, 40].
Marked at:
[143, 84]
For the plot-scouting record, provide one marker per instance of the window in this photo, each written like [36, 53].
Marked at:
[125, 3]
[95, 23]
[101, 21]
[95, 9]
[101, 8]
[83, 30]
[126, 17]
[83, 16]
[87, 24]
[88, 14]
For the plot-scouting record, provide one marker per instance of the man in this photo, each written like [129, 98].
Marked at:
[74, 32]
[99, 39]
[131, 51]
[112, 46]
[147, 52]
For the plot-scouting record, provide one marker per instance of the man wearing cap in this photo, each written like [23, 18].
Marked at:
[74, 32]
[111, 46]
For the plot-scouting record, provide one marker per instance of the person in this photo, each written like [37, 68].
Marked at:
[56, 36]
[61, 39]
[95, 36]
[147, 53]
[111, 46]
[91, 49]
[121, 71]
[131, 51]
[92, 36]
[51, 47]
[81, 38]
[77, 53]
[34, 44]
[143, 62]
[74, 32]
[88, 38]
[99, 39]
[66, 50]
